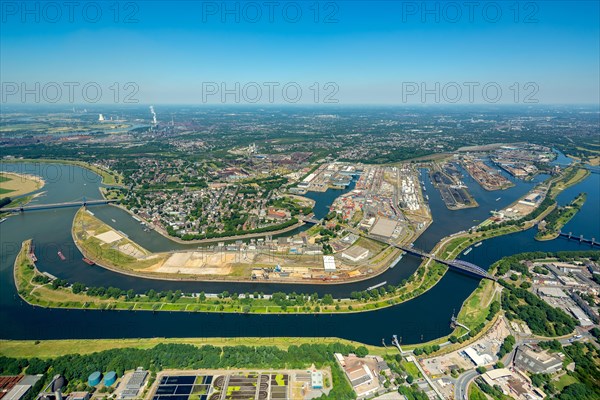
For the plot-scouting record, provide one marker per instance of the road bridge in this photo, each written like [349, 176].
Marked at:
[81, 203]
[310, 220]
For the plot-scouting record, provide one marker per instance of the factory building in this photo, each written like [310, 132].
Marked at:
[316, 379]
[538, 362]
[329, 263]
[135, 383]
[356, 254]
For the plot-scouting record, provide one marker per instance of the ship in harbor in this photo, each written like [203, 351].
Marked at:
[468, 251]
[478, 244]
[88, 261]
[397, 261]
[61, 256]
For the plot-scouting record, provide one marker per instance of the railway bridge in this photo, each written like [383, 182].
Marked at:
[459, 265]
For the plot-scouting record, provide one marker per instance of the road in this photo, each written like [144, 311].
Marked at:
[461, 387]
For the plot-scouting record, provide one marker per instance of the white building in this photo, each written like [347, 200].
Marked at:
[329, 263]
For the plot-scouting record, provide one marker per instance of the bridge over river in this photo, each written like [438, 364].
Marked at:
[460, 265]
[78, 203]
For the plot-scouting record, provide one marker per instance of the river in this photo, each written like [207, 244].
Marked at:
[423, 318]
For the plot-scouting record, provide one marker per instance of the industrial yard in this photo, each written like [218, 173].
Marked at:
[447, 178]
[241, 385]
[486, 176]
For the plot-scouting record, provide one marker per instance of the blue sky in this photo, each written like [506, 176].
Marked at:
[371, 52]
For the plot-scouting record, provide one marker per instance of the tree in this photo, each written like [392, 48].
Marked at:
[362, 351]
[78, 287]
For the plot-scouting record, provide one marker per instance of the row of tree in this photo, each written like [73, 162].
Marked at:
[76, 368]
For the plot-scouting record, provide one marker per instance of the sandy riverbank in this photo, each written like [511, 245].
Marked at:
[13, 185]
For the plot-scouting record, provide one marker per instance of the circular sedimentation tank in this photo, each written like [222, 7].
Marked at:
[110, 378]
[94, 378]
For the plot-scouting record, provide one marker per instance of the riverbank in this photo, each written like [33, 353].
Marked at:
[53, 348]
[109, 178]
[15, 185]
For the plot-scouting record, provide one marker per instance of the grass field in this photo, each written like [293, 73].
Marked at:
[561, 185]
[55, 348]
[565, 381]
[566, 214]
[475, 308]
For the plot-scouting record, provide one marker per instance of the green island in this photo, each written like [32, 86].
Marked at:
[559, 217]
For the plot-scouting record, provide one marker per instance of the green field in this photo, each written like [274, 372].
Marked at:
[55, 348]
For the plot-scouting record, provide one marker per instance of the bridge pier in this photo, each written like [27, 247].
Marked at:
[580, 238]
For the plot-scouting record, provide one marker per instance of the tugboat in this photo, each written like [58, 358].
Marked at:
[88, 261]
[61, 256]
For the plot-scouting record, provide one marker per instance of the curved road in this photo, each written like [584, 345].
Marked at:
[461, 387]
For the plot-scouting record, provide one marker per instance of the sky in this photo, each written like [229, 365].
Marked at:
[300, 52]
